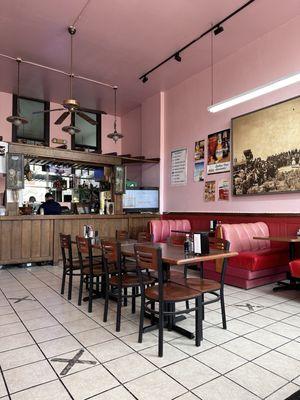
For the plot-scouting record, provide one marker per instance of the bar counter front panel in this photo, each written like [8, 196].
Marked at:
[33, 238]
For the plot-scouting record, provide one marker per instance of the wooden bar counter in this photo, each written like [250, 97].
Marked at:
[33, 238]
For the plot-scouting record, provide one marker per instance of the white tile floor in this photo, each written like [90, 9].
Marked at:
[258, 357]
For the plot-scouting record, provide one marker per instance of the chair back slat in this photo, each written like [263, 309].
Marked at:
[147, 257]
[83, 244]
[110, 250]
[122, 235]
[221, 263]
[144, 237]
[66, 249]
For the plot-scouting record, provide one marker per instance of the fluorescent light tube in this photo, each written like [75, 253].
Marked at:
[252, 94]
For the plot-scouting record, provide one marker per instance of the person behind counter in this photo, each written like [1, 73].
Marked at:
[50, 207]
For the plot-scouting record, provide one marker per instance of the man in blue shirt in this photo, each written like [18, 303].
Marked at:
[50, 207]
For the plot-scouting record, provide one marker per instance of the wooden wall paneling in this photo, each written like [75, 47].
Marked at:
[6, 243]
[16, 239]
[47, 238]
[36, 238]
[26, 239]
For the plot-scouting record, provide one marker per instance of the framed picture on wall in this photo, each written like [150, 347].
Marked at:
[266, 150]
[218, 152]
[14, 171]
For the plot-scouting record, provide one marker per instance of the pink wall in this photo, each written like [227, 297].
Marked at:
[151, 130]
[186, 117]
[132, 142]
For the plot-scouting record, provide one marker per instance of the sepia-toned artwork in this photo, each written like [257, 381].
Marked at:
[218, 152]
[266, 150]
[210, 191]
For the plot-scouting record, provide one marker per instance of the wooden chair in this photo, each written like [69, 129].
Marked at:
[144, 237]
[165, 293]
[119, 280]
[89, 267]
[69, 264]
[208, 286]
[122, 235]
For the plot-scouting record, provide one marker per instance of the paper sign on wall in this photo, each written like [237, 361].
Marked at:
[223, 190]
[179, 167]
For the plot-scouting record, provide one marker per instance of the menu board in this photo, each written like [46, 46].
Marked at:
[179, 167]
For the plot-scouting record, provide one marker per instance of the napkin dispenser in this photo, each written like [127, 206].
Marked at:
[201, 243]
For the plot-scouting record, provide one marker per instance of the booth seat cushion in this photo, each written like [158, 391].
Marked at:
[260, 259]
[295, 268]
[241, 236]
[161, 229]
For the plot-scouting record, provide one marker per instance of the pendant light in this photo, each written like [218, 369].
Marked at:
[17, 119]
[115, 136]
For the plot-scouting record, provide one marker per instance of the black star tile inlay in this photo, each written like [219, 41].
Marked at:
[249, 306]
[72, 361]
[19, 299]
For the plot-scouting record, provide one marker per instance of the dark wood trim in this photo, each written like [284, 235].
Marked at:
[59, 155]
[46, 140]
[98, 147]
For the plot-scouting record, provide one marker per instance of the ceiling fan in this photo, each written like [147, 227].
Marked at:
[70, 105]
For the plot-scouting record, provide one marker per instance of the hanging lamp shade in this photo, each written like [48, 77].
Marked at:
[115, 135]
[17, 119]
[71, 129]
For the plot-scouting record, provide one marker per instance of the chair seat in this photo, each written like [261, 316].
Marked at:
[131, 280]
[201, 285]
[97, 270]
[172, 292]
[295, 268]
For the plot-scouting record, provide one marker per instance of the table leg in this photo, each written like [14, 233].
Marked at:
[292, 285]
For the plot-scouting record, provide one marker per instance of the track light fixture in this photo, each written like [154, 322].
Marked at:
[177, 57]
[219, 29]
[216, 29]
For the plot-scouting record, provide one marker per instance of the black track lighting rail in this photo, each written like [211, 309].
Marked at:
[217, 28]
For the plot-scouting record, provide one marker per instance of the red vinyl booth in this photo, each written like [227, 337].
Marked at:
[258, 263]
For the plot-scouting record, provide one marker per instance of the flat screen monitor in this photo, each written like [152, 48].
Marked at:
[141, 200]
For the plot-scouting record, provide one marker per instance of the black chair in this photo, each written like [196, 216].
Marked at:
[70, 265]
[208, 286]
[118, 280]
[165, 293]
[89, 268]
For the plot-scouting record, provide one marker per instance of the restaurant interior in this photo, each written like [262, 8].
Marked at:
[149, 189]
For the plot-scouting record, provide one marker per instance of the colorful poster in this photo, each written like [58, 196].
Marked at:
[223, 190]
[218, 152]
[199, 150]
[179, 167]
[199, 161]
[210, 191]
[199, 171]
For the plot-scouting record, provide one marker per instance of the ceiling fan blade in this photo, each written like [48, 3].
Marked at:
[86, 117]
[62, 118]
[46, 111]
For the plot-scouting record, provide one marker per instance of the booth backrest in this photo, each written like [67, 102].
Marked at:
[161, 229]
[241, 239]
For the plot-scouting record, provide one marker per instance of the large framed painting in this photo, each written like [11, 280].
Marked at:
[266, 150]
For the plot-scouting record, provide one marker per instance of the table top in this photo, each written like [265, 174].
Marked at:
[288, 239]
[175, 255]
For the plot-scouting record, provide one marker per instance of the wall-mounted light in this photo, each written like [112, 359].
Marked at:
[253, 93]
[177, 57]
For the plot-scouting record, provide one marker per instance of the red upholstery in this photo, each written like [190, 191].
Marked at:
[260, 259]
[295, 268]
[241, 236]
[161, 229]
[266, 262]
